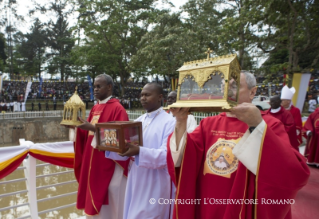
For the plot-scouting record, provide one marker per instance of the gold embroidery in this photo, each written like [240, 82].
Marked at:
[94, 120]
[89, 181]
[241, 209]
[258, 166]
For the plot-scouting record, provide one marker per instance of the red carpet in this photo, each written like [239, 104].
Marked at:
[307, 199]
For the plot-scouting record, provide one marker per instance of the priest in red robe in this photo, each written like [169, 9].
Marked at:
[234, 165]
[286, 118]
[102, 181]
[286, 97]
[312, 129]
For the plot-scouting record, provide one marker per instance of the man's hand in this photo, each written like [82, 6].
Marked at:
[86, 125]
[132, 150]
[248, 113]
[180, 114]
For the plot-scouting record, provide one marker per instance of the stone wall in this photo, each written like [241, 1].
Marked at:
[35, 130]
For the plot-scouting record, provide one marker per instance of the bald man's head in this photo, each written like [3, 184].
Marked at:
[156, 87]
[171, 98]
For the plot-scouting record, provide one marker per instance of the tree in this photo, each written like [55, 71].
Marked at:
[114, 28]
[32, 49]
[60, 39]
[225, 26]
[292, 26]
[166, 47]
[3, 55]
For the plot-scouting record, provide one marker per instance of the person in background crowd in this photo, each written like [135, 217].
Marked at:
[312, 105]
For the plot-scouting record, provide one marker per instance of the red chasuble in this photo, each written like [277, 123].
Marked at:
[295, 112]
[225, 186]
[92, 170]
[286, 118]
[312, 147]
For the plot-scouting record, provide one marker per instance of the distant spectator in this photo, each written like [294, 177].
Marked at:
[46, 105]
[312, 105]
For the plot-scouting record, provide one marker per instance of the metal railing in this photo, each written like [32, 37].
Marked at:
[31, 114]
[36, 181]
[30, 176]
[132, 114]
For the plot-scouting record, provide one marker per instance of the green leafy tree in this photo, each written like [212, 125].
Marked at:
[113, 29]
[60, 40]
[31, 49]
[166, 47]
[288, 28]
[3, 55]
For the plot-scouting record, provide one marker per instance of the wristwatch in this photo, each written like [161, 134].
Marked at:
[251, 129]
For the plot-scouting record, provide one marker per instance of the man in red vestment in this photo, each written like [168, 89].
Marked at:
[234, 165]
[286, 118]
[102, 181]
[286, 96]
[312, 129]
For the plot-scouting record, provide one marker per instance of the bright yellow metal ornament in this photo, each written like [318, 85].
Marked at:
[73, 109]
[209, 85]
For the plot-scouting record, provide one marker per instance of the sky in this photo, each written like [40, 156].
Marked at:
[25, 5]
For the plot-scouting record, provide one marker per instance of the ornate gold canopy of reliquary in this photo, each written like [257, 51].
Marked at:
[73, 109]
[209, 85]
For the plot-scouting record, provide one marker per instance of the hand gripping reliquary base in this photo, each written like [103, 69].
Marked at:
[113, 136]
[209, 85]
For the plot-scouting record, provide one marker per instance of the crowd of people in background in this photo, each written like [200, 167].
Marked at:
[51, 92]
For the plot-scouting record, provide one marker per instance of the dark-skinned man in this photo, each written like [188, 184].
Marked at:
[148, 179]
[102, 181]
[191, 122]
[234, 162]
[286, 118]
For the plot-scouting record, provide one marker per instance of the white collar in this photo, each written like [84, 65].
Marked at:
[153, 113]
[105, 100]
[289, 106]
[275, 110]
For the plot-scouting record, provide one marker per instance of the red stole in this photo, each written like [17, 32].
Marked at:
[312, 147]
[295, 112]
[272, 180]
[92, 170]
[288, 121]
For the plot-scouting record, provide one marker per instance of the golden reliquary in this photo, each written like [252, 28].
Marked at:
[73, 109]
[113, 136]
[209, 85]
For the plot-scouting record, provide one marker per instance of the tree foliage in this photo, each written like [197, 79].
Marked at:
[136, 38]
[113, 29]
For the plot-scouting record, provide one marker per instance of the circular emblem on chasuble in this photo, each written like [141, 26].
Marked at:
[220, 159]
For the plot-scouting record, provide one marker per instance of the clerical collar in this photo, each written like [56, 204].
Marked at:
[288, 107]
[153, 113]
[105, 100]
[275, 110]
